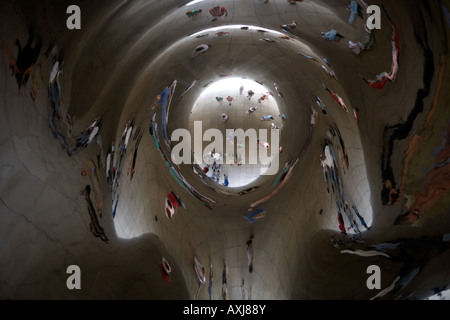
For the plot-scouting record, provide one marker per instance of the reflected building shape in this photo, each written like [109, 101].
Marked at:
[307, 145]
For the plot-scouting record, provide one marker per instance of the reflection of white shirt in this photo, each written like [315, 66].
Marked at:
[93, 134]
[329, 158]
[313, 116]
[54, 73]
[200, 49]
[127, 139]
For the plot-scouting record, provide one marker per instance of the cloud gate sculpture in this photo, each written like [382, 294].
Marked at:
[205, 150]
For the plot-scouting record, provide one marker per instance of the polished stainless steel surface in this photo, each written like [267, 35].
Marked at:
[89, 172]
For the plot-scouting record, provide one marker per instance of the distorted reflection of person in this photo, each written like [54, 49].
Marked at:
[200, 49]
[225, 117]
[251, 110]
[250, 254]
[26, 58]
[289, 26]
[218, 12]
[355, 10]
[332, 35]
[225, 180]
[166, 269]
[94, 226]
[194, 13]
[200, 271]
[224, 280]
[267, 118]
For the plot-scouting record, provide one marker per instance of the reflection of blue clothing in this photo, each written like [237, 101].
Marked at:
[122, 147]
[115, 208]
[251, 216]
[407, 279]
[331, 35]
[164, 97]
[83, 139]
[385, 246]
[331, 175]
[353, 13]
[333, 154]
[360, 218]
[225, 183]
[55, 94]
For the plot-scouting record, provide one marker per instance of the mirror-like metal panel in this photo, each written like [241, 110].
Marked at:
[248, 150]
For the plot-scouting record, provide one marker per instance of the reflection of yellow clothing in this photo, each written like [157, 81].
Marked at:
[95, 182]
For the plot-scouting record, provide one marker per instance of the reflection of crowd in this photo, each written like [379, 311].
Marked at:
[334, 183]
[166, 269]
[29, 63]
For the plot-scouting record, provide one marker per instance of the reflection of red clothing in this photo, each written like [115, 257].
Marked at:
[164, 275]
[381, 81]
[341, 223]
[378, 84]
[334, 96]
[173, 200]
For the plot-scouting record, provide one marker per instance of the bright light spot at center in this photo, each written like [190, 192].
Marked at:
[231, 85]
[237, 26]
[209, 110]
